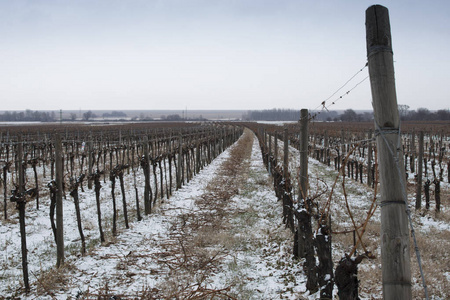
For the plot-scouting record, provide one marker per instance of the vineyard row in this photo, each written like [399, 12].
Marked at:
[56, 168]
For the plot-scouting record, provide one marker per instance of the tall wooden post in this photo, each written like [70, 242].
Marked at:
[413, 152]
[395, 253]
[304, 219]
[59, 203]
[90, 162]
[270, 152]
[305, 233]
[303, 193]
[286, 154]
[325, 150]
[147, 190]
[21, 205]
[5, 189]
[275, 148]
[419, 173]
[287, 200]
[180, 161]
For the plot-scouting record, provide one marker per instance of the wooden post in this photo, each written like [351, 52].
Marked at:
[5, 189]
[286, 155]
[275, 148]
[305, 234]
[413, 152]
[146, 169]
[395, 253]
[287, 201]
[303, 141]
[21, 205]
[180, 159]
[325, 150]
[419, 173]
[269, 136]
[303, 192]
[59, 203]
[90, 162]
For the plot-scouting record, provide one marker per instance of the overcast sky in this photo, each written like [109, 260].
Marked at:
[213, 54]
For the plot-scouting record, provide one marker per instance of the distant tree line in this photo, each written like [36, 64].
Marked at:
[294, 115]
[115, 114]
[177, 117]
[174, 117]
[349, 115]
[275, 114]
[28, 116]
[423, 114]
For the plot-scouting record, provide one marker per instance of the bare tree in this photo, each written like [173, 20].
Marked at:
[87, 115]
[403, 111]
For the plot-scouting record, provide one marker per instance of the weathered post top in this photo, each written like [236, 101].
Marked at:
[381, 68]
[378, 29]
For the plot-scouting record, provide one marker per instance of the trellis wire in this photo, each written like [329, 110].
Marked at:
[323, 103]
[345, 84]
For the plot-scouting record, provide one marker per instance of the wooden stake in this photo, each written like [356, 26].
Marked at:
[395, 254]
[275, 148]
[419, 173]
[146, 169]
[286, 154]
[21, 205]
[90, 163]
[303, 193]
[180, 158]
[59, 203]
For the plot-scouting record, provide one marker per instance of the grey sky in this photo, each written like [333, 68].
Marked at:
[213, 54]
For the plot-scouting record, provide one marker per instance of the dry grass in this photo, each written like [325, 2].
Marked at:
[434, 247]
[54, 279]
[200, 239]
[435, 252]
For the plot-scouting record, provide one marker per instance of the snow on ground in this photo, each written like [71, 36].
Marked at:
[253, 260]
[258, 264]
[431, 229]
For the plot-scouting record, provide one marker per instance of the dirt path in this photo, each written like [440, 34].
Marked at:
[221, 235]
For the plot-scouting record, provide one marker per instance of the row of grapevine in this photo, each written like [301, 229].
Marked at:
[89, 158]
[352, 152]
